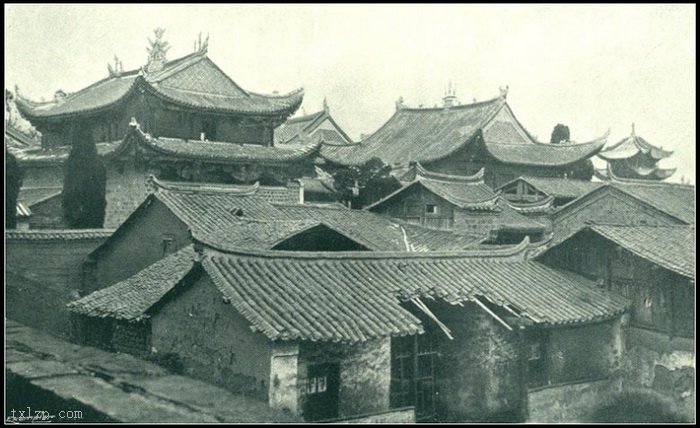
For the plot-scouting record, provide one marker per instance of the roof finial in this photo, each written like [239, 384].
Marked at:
[633, 129]
[115, 71]
[325, 105]
[450, 97]
[504, 91]
[199, 46]
[399, 103]
[157, 51]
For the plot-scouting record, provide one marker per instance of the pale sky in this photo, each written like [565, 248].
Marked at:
[591, 67]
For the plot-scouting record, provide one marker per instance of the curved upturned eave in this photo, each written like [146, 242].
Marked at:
[148, 142]
[424, 159]
[31, 113]
[28, 108]
[595, 147]
[297, 96]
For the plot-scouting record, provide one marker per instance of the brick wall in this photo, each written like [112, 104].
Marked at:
[41, 175]
[569, 403]
[42, 277]
[132, 337]
[213, 342]
[125, 190]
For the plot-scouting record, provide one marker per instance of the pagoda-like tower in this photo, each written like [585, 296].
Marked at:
[189, 98]
[635, 158]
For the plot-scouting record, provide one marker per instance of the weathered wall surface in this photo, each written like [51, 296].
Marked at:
[479, 371]
[42, 277]
[132, 337]
[591, 351]
[284, 367]
[365, 374]
[137, 245]
[568, 403]
[41, 175]
[125, 190]
[48, 214]
[212, 340]
[661, 363]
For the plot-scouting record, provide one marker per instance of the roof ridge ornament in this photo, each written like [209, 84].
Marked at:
[633, 134]
[117, 70]
[157, 51]
[504, 92]
[200, 47]
[399, 104]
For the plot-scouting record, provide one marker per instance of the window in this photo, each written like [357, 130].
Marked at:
[316, 385]
[168, 244]
[431, 209]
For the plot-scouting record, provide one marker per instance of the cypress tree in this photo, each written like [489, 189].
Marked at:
[13, 181]
[84, 185]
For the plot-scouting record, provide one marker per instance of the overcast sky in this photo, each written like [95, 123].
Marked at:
[591, 67]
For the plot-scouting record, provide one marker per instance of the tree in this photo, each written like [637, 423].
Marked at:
[84, 185]
[582, 170]
[560, 133]
[13, 181]
[364, 184]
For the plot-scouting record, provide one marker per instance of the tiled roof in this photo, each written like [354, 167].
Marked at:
[18, 139]
[425, 135]
[546, 205]
[378, 232]
[543, 154]
[57, 155]
[207, 207]
[508, 217]
[241, 234]
[558, 187]
[468, 192]
[224, 152]
[191, 81]
[672, 247]
[57, 235]
[354, 297]
[425, 239]
[675, 199]
[293, 127]
[632, 145]
[30, 196]
[417, 135]
[130, 299]
[652, 173]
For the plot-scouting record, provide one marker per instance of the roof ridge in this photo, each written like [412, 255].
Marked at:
[477, 253]
[476, 178]
[455, 107]
[304, 118]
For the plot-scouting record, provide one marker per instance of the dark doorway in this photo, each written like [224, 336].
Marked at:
[322, 384]
[209, 129]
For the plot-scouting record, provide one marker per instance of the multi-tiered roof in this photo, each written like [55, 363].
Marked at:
[193, 81]
[636, 158]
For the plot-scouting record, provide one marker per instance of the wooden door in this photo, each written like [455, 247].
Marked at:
[322, 385]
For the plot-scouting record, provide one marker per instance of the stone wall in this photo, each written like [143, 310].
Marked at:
[663, 364]
[213, 342]
[479, 372]
[569, 403]
[42, 276]
[136, 245]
